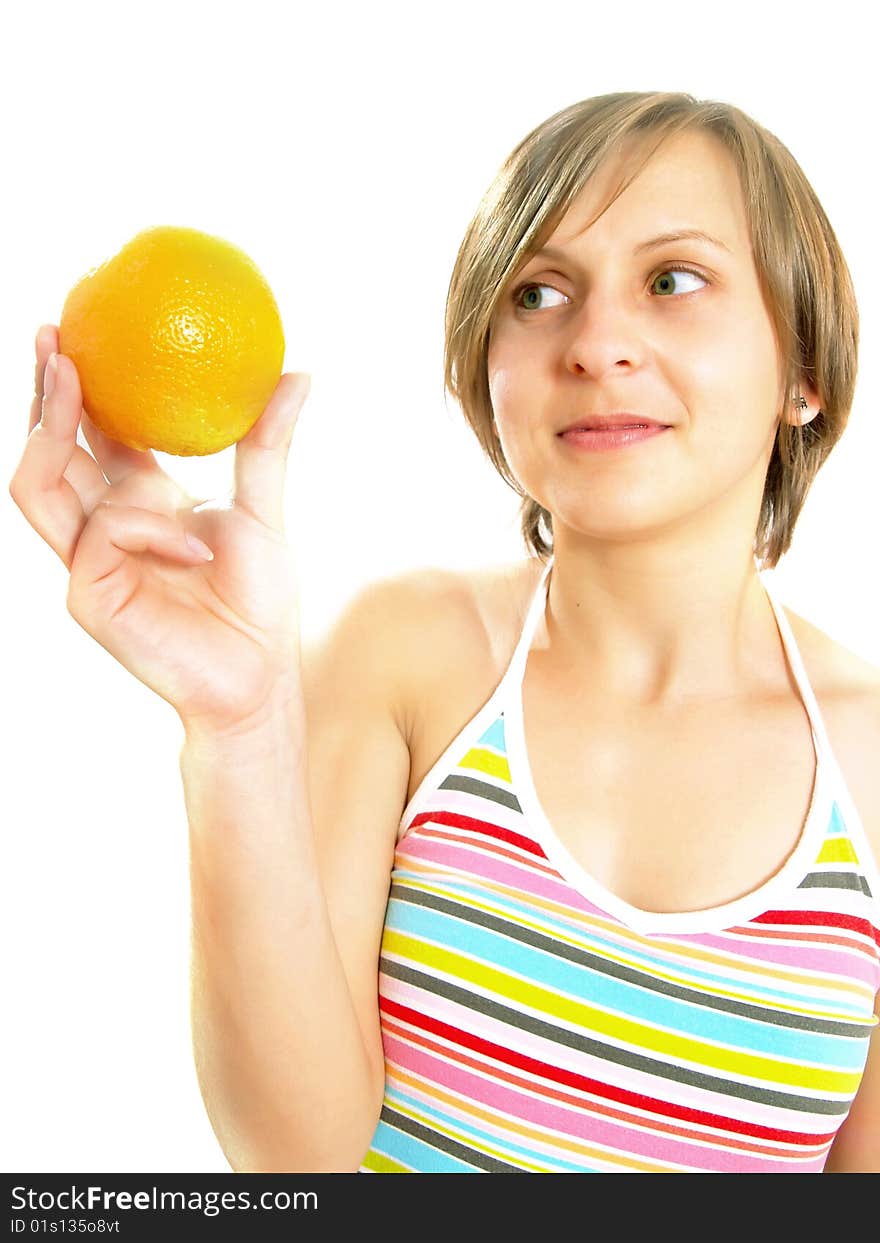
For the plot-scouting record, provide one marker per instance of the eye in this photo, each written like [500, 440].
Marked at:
[665, 274]
[532, 292]
[668, 276]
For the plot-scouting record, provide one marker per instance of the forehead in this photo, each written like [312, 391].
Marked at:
[691, 181]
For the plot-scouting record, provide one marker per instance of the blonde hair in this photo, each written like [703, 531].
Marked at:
[803, 274]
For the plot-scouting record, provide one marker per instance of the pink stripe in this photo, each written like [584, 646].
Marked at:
[477, 839]
[476, 862]
[592, 1067]
[582, 1125]
[808, 957]
[462, 803]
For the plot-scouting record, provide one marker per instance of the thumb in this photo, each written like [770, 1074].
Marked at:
[261, 455]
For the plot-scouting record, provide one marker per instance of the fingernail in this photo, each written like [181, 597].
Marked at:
[50, 374]
[197, 546]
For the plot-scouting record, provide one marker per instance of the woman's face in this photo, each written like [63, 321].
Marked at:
[615, 325]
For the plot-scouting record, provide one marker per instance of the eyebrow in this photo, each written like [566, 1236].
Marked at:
[662, 239]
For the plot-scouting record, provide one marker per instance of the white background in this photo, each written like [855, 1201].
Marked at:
[345, 148]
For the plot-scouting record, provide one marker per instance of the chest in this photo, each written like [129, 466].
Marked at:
[669, 812]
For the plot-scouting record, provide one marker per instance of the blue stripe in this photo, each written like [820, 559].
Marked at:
[494, 736]
[840, 1007]
[399, 1146]
[621, 997]
[501, 1149]
[837, 824]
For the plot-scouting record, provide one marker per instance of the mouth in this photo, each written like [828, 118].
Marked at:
[611, 436]
[612, 422]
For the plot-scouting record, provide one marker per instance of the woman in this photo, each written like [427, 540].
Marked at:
[552, 867]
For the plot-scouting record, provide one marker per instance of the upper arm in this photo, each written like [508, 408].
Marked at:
[856, 1148]
[354, 686]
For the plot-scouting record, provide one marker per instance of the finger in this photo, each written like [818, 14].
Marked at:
[51, 503]
[117, 460]
[109, 538]
[126, 529]
[261, 455]
[85, 477]
[81, 472]
[105, 576]
[45, 343]
[136, 475]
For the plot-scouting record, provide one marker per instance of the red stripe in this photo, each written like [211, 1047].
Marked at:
[484, 828]
[558, 1095]
[815, 938]
[824, 919]
[447, 837]
[584, 1083]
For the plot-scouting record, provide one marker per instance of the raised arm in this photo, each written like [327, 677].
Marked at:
[294, 770]
[291, 849]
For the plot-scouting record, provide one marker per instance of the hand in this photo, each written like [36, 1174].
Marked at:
[219, 639]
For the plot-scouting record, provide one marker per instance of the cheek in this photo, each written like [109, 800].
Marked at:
[503, 383]
[745, 349]
[730, 372]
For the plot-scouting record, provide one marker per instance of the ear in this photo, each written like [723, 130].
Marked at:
[803, 407]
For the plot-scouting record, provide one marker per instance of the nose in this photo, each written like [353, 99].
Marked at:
[604, 334]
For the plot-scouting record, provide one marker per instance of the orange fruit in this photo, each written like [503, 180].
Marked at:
[177, 340]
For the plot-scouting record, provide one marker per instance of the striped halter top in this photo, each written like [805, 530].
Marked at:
[533, 1022]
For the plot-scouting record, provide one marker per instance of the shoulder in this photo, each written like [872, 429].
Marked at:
[847, 690]
[836, 672]
[462, 616]
[422, 629]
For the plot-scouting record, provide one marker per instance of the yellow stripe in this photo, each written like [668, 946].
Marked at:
[852, 988]
[489, 762]
[628, 1031]
[380, 1164]
[603, 952]
[445, 1128]
[837, 850]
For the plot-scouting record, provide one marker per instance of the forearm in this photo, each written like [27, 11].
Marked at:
[281, 1060]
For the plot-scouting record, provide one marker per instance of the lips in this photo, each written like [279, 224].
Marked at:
[607, 422]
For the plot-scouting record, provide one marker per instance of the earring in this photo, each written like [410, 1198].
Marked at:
[800, 404]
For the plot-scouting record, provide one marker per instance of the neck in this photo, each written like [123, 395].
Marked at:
[654, 627]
